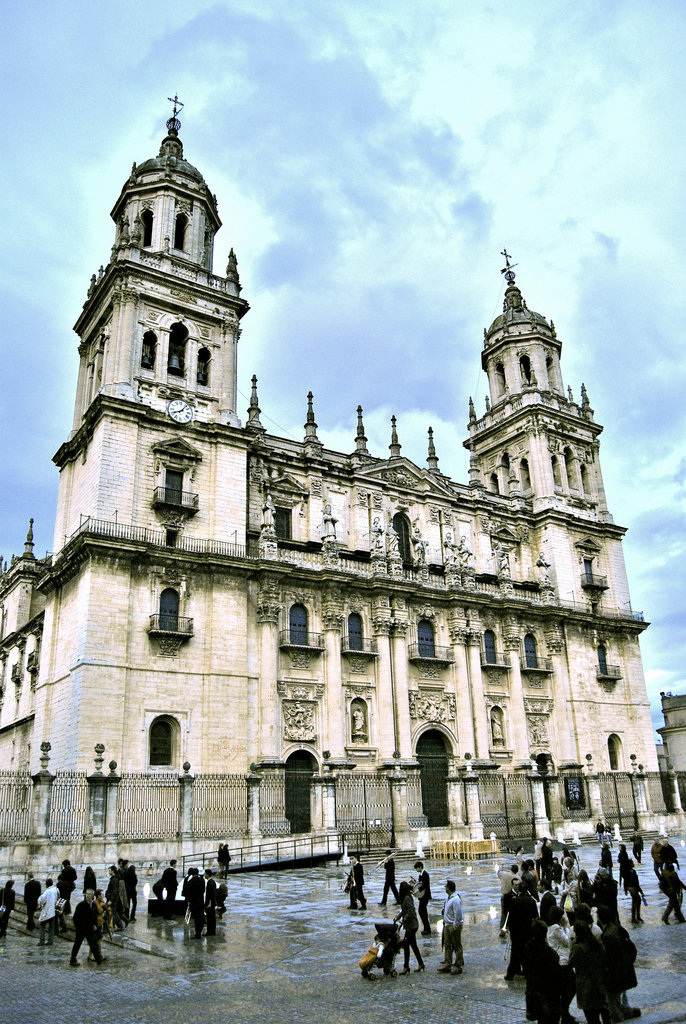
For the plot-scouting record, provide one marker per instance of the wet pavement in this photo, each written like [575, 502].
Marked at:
[288, 948]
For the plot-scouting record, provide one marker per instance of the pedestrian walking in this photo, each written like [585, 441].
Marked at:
[621, 976]
[622, 862]
[672, 886]
[423, 890]
[588, 960]
[32, 891]
[522, 911]
[99, 914]
[453, 919]
[89, 881]
[131, 886]
[389, 879]
[542, 972]
[408, 918]
[194, 890]
[656, 854]
[637, 846]
[113, 897]
[84, 927]
[559, 938]
[210, 902]
[636, 893]
[605, 892]
[600, 832]
[506, 880]
[606, 858]
[357, 887]
[169, 884]
[7, 902]
[47, 904]
[223, 859]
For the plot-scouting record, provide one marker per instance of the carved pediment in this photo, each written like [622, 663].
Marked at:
[286, 489]
[404, 474]
[178, 449]
[588, 546]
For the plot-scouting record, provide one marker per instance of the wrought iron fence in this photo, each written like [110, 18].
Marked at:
[273, 820]
[364, 811]
[148, 805]
[659, 797]
[506, 805]
[574, 800]
[220, 805]
[69, 807]
[415, 806]
[15, 805]
[618, 799]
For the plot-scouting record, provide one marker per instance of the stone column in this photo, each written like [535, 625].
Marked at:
[401, 830]
[97, 794]
[186, 803]
[456, 810]
[329, 801]
[594, 798]
[473, 808]
[317, 803]
[401, 678]
[463, 690]
[254, 782]
[677, 807]
[335, 698]
[563, 710]
[112, 782]
[268, 705]
[385, 704]
[481, 730]
[518, 730]
[541, 823]
[41, 797]
[638, 785]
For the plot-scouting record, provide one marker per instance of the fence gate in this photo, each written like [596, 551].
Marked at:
[506, 805]
[220, 805]
[617, 798]
[148, 805]
[15, 805]
[69, 807]
[364, 813]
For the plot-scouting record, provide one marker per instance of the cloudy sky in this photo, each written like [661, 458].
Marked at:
[371, 158]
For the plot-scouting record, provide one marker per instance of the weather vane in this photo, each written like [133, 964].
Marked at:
[173, 124]
[508, 269]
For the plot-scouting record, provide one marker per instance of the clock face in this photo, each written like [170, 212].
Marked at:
[180, 411]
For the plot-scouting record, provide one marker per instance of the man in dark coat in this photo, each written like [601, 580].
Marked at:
[32, 891]
[423, 890]
[671, 885]
[170, 884]
[605, 892]
[520, 913]
[357, 891]
[621, 975]
[543, 977]
[131, 885]
[389, 880]
[210, 902]
[195, 897]
[84, 926]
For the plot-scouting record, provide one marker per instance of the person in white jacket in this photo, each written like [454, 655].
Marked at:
[46, 904]
[453, 919]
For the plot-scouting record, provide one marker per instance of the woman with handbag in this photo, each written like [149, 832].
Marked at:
[410, 922]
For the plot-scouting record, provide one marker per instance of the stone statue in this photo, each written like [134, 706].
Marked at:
[449, 548]
[502, 559]
[496, 729]
[392, 541]
[268, 513]
[464, 554]
[418, 544]
[359, 723]
[543, 566]
[378, 549]
[329, 532]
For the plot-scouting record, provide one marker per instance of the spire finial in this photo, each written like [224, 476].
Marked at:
[432, 460]
[394, 446]
[173, 124]
[254, 409]
[360, 439]
[28, 546]
[508, 269]
[310, 425]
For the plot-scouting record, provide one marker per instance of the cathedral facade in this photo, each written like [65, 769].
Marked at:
[223, 600]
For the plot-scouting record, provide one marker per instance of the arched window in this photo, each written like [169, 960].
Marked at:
[401, 526]
[354, 632]
[526, 475]
[203, 374]
[602, 659]
[583, 477]
[505, 465]
[530, 654]
[148, 351]
[163, 737]
[425, 639]
[570, 469]
[489, 647]
[550, 369]
[614, 750]
[147, 219]
[297, 624]
[176, 361]
[500, 385]
[525, 369]
[180, 230]
[495, 486]
[169, 609]
[557, 476]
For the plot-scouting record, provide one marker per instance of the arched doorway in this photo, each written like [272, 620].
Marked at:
[300, 767]
[432, 755]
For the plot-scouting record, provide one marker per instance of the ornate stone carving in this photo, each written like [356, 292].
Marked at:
[428, 670]
[537, 726]
[357, 665]
[169, 646]
[300, 659]
[299, 720]
[538, 706]
[432, 707]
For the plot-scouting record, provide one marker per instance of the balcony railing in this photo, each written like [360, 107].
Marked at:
[591, 581]
[168, 624]
[359, 645]
[494, 659]
[431, 652]
[184, 500]
[298, 638]
[536, 664]
[609, 672]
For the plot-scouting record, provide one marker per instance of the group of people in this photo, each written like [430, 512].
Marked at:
[205, 900]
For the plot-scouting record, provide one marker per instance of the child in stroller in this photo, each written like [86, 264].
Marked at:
[387, 945]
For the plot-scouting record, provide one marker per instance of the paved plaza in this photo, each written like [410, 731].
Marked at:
[288, 950]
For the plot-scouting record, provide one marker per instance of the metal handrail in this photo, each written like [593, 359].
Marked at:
[296, 638]
[174, 496]
[167, 622]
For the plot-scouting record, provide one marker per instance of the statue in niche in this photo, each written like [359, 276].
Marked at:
[464, 554]
[268, 513]
[449, 549]
[418, 544]
[502, 559]
[497, 734]
[329, 532]
[358, 720]
[378, 548]
[392, 543]
[543, 566]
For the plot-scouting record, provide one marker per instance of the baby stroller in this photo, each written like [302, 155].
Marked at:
[387, 945]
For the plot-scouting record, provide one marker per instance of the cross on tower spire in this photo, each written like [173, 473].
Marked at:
[173, 124]
[508, 269]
